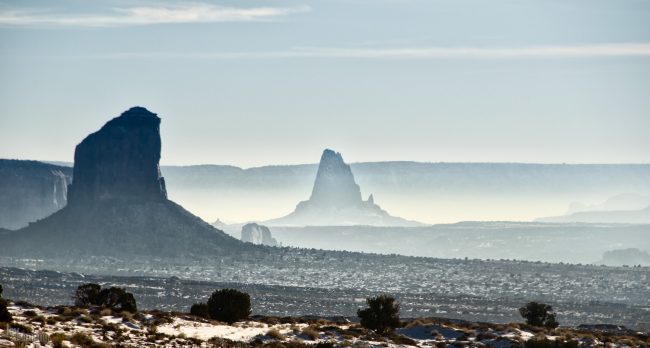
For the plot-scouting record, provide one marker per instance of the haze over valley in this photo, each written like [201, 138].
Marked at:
[358, 173]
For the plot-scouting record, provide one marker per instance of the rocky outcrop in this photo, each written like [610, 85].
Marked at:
[257, 234]
[336, 200]
[120, 161]
[117, 204]
[630, 257]
[31, 190]
[334, 185]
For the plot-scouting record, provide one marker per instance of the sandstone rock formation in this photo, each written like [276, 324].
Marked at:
[257, 234]
[31, 190]
[120, 161]
[336, 200]
[117, 204]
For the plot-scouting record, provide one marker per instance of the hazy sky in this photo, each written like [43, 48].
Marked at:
[268, 82]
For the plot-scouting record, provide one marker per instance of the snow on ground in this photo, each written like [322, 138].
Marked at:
[243, 331]
[176, 329]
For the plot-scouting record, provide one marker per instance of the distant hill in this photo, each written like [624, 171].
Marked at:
[614, 216]
[624, 201]
[426, 192]
[629, 256]
[623, 208]
[30, 190]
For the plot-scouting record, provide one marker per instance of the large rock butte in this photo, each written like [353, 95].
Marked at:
[336, 200]
[117, 203]
[257, 234]
[120, 161]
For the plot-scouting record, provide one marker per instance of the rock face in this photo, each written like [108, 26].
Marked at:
[117, 204]
[120, 161]
[257, 234]
[31, 190]
[336, 200]
[334, 185]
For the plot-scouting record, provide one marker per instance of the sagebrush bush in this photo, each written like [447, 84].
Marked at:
[229, 305]
[311, 332]
[82, 339]
[5, 316]
[275, 333]
[200, 310]
[539, 314]
[114, 298]
[382, 314]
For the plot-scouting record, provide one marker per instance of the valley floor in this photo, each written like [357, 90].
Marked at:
[469, 290]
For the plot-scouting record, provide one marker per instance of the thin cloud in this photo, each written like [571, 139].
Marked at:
[414, 53]
[191, 13]
[569, 51]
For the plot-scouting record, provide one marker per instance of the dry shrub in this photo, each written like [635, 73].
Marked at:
[57, 339]
[127, 316]
[82, 339]
[275, 333]
[311, 333]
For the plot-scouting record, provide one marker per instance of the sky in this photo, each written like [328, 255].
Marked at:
[252, 83]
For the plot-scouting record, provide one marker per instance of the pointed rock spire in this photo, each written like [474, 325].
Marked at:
[334, 185]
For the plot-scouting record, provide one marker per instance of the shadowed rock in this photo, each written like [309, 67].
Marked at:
[120, 161]
[117, 203]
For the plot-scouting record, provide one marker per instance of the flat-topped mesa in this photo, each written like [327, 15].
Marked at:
[334, 185]
[120, 161]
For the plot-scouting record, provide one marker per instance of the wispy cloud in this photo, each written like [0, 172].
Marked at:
[182, 13]
[567, 51]
[416, 53]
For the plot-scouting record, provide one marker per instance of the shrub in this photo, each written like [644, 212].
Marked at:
[275, 333]
[82, 339]
[382, 314]
[229, 305]
[200, 310]
[57, 339]
[311, 332]
[22, 328]
[5, 316]
[87, 295]
[117, 299]
[539, 314]
[1, 290]
[114, 298]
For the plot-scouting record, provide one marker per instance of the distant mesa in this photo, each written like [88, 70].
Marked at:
[117, 203]
[257, 234]
[630, 257]
[336, 200]
[623, 208]
[30, 190]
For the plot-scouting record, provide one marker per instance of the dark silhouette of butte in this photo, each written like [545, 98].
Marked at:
[117, 203]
